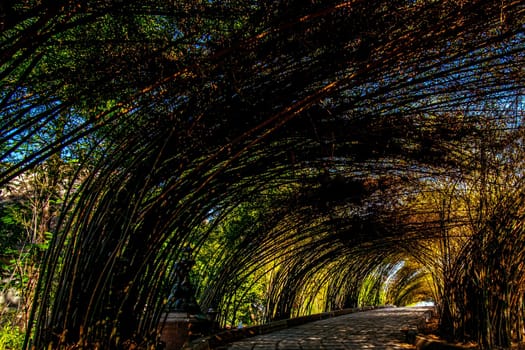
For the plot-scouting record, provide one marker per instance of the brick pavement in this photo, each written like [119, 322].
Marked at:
[376, 329]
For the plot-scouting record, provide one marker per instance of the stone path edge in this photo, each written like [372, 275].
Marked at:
[220, 339]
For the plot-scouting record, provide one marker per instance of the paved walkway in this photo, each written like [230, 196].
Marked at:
[376, 329]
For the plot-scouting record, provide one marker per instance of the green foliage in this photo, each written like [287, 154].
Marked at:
[12, 236]
[11, 335]
[12, 232]
[234, 229]
[11, 329]
[17, 264]
[247, 304]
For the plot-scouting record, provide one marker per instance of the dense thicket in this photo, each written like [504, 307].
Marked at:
[350, 135]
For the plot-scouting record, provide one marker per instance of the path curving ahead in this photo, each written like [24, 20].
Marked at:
[373, 330]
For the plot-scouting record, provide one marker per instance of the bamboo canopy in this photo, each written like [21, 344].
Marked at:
[333, 121]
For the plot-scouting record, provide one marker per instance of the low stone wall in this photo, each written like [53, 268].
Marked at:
[221, 339]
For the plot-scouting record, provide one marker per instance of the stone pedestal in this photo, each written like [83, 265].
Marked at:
[176, 330]
[180, 328]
